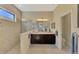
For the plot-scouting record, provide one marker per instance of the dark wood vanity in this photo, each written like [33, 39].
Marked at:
[43, 39]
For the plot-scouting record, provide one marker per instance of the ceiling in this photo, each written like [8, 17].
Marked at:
[36, 7]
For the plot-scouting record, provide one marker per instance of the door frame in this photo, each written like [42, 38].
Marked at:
[64, 14]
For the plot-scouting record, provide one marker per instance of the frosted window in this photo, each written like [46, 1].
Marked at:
[7, 15]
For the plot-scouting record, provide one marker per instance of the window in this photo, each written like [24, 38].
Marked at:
[6, 15]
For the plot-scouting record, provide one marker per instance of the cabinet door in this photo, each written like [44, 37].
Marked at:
[36, 39]
[49, 39]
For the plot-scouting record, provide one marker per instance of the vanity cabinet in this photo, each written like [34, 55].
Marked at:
[43, 39]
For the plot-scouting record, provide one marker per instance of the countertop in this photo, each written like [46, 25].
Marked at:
[31, 32]
[41, 33]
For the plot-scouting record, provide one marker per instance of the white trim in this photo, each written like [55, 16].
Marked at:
[65, 13]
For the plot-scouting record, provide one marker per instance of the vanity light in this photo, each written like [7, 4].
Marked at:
[42, 19]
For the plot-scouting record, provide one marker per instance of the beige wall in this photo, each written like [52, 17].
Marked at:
[9, 31]
[36, 15]
[15, 50]
[60, 11]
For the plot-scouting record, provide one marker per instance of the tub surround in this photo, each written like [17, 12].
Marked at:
[25, 40]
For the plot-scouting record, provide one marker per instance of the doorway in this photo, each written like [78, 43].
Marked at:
[66, 31]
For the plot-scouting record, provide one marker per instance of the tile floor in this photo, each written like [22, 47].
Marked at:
[45, 49]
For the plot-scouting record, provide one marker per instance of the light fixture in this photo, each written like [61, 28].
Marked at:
[42, 19]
